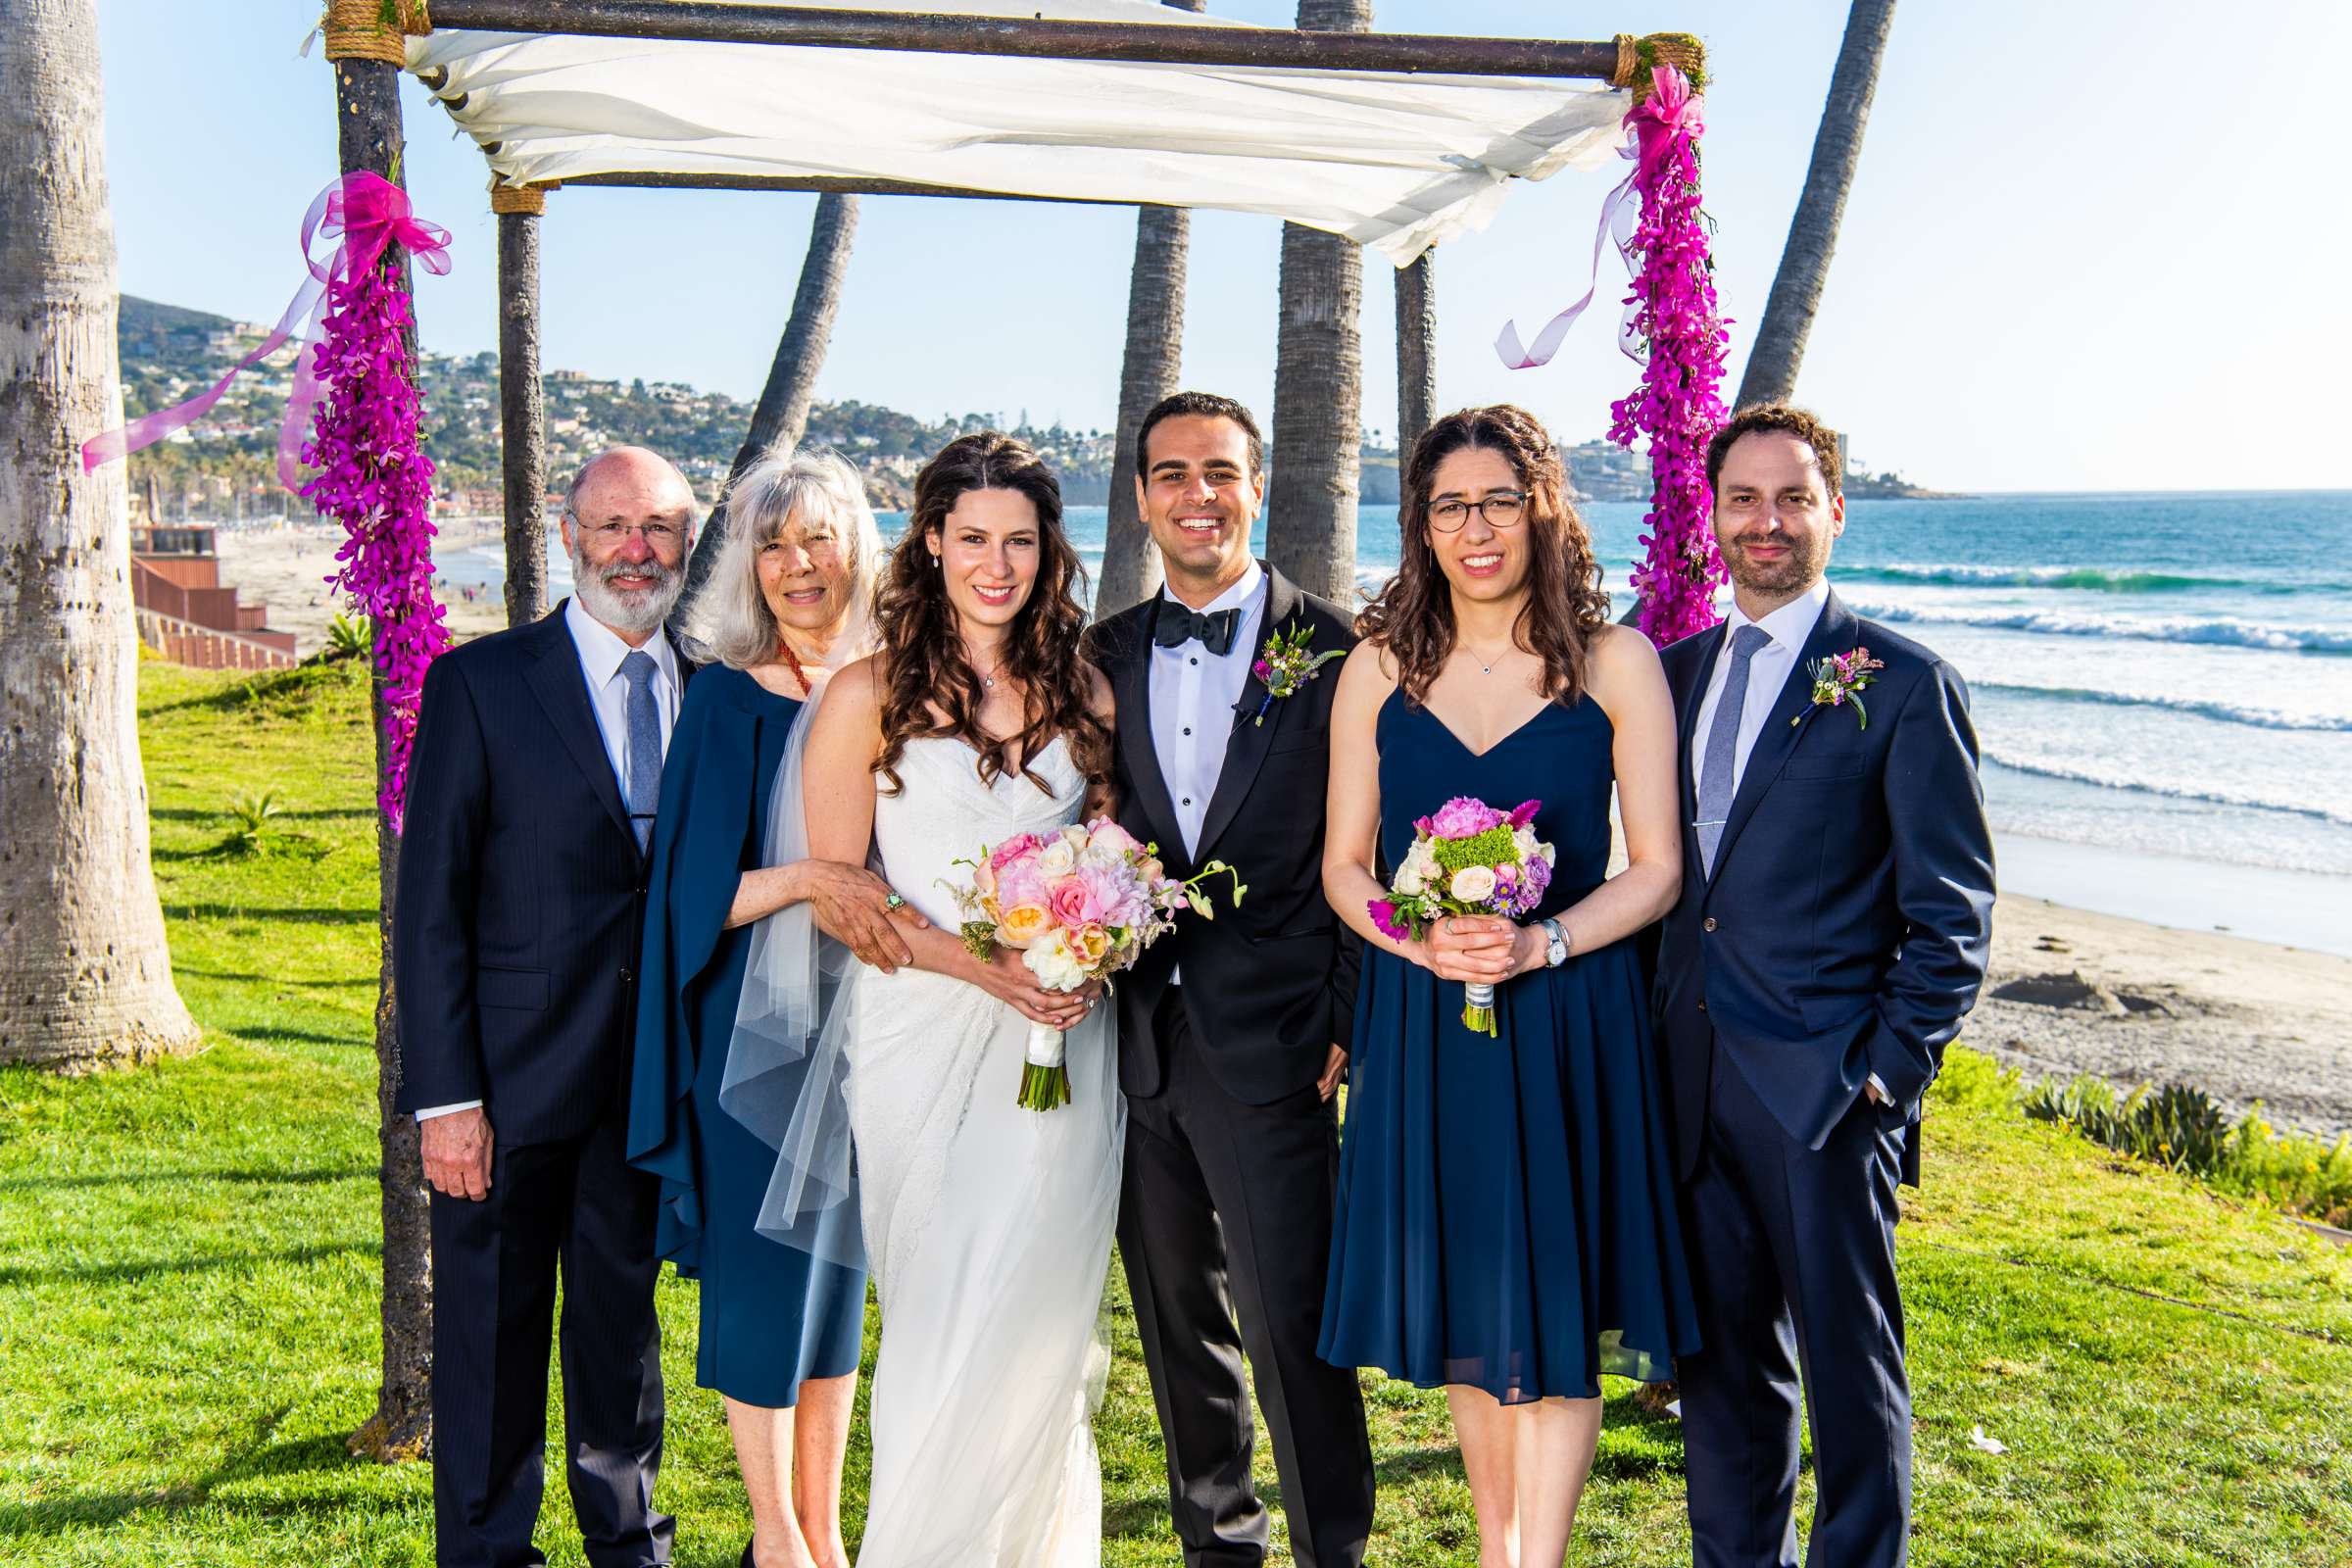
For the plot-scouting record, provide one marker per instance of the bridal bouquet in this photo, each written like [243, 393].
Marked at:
[1080, 905]
[1467, 858]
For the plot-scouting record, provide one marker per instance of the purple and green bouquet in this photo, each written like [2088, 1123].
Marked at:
[1467, 858]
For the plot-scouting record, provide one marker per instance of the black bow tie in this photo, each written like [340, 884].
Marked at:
[1213, 631]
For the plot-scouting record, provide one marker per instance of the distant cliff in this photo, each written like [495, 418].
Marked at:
[225, 467]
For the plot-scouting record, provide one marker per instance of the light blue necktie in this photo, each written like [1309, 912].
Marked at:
[1723, 746]
[644, 760]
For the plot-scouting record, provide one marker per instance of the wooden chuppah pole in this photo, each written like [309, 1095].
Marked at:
[366, 57]
[1416, 353]
[819, 184]
[1182, 44]
[522, 400]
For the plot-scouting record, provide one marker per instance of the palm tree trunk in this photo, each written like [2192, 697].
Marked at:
[782, 416]
[1796, 299]
[84, 972]
[1150, 371]
[368, 123]
[1318, 385]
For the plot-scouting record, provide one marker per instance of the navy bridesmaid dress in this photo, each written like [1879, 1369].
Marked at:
[772, 1316]
[1506, 1211]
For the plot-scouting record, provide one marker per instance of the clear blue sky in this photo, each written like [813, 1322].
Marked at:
[2085, 248]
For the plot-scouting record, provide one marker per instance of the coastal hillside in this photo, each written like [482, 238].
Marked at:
[225, 467]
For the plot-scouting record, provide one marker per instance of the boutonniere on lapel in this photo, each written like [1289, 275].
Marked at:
[1838, 680]
[1285, 664]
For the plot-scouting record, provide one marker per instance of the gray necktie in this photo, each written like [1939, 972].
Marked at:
[1723, 746]
[644, 759]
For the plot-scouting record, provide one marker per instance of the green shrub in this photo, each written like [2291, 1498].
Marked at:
[1973, 1079]
[252, 815]
[349, 637]
[2183, 1128]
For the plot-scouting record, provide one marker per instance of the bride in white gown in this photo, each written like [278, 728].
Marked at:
[988, 1226]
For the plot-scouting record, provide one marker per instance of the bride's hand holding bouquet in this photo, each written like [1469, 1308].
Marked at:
[1077, 906]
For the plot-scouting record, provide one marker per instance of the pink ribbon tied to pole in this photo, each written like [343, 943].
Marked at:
[1672, 109]
[371, 213]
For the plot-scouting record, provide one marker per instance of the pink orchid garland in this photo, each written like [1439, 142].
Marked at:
[373, 478]
[1676, 403]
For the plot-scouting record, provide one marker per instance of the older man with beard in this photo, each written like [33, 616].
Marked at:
[521, 895]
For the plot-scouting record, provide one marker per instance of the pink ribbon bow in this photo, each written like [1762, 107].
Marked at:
[1672, 109]
[369, 213]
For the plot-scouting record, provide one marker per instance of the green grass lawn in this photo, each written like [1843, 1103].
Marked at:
[188, 1265]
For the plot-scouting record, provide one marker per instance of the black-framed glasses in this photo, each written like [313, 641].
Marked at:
[1501, 510]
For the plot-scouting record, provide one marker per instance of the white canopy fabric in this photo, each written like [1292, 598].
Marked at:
[1393, 162]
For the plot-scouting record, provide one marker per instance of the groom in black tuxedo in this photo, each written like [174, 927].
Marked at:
[1227, 1028]
[1835, 919]
[516, 931]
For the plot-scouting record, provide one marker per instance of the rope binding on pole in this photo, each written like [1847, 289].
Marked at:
[527, 200]
[373, 30]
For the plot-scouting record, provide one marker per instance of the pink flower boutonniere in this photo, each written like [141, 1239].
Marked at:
[1838, 680]
[1284, 664]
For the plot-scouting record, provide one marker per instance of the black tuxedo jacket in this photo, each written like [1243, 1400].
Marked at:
[520, 898]
[1269, 987]
[1846, 926]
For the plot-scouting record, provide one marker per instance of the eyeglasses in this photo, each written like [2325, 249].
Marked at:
[1501, 510]
[660, 536]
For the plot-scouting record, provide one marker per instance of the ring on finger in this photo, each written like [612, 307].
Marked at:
[894, 901]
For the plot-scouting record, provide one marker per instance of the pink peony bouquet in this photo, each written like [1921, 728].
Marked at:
[1080, 905]
[1467, 858]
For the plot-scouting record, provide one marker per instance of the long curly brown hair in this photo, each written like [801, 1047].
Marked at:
[922, 649]
[1412, 616]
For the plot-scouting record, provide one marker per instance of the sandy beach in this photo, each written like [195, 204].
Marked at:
[287, 567]
[2073, 992]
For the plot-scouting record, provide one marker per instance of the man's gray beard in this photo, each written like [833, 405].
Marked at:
[637, 616]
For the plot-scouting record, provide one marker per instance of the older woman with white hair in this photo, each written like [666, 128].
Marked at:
[717, 1072]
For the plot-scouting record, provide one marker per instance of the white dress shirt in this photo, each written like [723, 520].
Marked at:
[1193, 697]
[1194, 693]
[1768, 670]
[601, 652]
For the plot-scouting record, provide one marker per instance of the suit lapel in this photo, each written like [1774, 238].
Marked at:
[1131, 693]
[1791, 715]
[1246, 745]
[556, 679]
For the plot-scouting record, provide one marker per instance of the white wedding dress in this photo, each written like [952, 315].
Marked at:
[988, 1226]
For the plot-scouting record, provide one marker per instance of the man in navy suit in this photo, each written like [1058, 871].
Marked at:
[1835, 919]
[515, 932]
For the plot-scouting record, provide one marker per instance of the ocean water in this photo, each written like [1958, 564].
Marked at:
[2160, 683]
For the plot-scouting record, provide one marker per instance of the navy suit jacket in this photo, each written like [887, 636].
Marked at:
[520, 900]
[1846, 926]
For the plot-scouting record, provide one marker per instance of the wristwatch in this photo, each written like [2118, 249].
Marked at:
[1556, 951]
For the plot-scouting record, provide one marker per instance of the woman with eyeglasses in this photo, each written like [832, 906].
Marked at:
[1506, 1222]
[732, 908]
